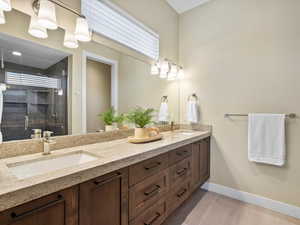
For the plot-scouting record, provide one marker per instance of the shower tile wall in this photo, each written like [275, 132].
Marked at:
[27, 108]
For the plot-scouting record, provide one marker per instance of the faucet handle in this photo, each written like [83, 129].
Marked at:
[47, 134]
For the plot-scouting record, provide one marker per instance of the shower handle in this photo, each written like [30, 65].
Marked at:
[26, 122]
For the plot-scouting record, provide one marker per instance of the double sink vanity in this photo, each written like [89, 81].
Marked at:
[109, 183]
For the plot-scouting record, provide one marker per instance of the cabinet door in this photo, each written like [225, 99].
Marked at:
[55, 209]
[196, 165]
[204, 160]
[104, 201]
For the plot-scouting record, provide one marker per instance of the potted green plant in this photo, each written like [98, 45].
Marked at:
[141, 118]
[110, 118]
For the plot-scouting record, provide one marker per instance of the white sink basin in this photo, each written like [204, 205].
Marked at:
[48, 164]
[185, 132]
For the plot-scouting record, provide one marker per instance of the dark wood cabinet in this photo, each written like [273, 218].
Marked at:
[142, 194]
[200, 162]
[60, 208]
[104, 200]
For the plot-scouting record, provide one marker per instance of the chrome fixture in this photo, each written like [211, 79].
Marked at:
[45, 18]
[37, 134]
[48, 141]
[290, 116]
[167, 70]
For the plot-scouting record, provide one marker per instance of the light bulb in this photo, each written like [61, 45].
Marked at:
[70, 40]
[47, 15]
[172, 75]
[2, 17]
[82, 32]
[5, 5]
[36, 30]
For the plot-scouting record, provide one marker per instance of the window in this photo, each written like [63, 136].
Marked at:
[111, 22]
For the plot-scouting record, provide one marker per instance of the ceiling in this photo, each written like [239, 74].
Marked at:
[182, 6]
[33, 55]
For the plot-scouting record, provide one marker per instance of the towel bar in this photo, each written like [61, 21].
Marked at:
[291, 115]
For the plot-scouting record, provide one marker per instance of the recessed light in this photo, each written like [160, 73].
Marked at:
[17, 53]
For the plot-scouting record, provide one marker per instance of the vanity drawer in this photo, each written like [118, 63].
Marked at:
[180, 154]
[178, 195]
[148, 192]
[147, 168]
[155, 215]
[180, 172]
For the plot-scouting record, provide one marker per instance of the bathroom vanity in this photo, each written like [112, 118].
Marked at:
[146, 191]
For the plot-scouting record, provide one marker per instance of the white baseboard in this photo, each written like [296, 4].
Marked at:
[277, 206]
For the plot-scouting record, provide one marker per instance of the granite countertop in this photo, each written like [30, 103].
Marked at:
[111, 156]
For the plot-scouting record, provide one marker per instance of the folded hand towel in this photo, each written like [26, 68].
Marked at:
[192, 111]
[266, 138]
[163, 115]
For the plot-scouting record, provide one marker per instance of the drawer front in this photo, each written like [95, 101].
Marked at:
[143, 195]
[178, 195]
[180, 172]
[155, 215]
[180, 154]
[147, 168]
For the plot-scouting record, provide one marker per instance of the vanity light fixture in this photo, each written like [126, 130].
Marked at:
[166, 69]
[70, 40]
[82, 32]
[2, 17]
[36, 30]
[16, 53]
[47, 15]
[5, 5]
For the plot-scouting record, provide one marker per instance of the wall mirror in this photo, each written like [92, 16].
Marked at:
[46, 86]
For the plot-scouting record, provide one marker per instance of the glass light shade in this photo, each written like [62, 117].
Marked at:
[164, 69]
[47, 15]
[5, 5]
[180, 74]
[2, 17]
[173, 72]
[36, 30]
[70, 40]
[154, 69]
[82, 32]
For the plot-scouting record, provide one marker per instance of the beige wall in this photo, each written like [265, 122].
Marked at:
[98, 93]
[17, 25]
[243, 56]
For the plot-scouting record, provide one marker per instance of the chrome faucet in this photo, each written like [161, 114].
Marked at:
[172, 126]
[47, 141]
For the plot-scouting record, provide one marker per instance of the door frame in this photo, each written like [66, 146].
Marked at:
[114, 83]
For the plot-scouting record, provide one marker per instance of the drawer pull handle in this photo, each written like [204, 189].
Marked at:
[157, 215]
[113, 177]
[181, 172]
[181, 153]
[16, 216]
[153, 190]
[181, 193]
[152, 166]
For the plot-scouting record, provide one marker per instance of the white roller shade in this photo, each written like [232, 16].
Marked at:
[111, 23]
[31, 80]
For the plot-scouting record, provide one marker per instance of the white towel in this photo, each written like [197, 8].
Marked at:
[266, 138]
[163, 115]
[192, 111]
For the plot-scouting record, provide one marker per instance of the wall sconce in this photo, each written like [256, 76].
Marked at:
[167, 70]
[46, 18]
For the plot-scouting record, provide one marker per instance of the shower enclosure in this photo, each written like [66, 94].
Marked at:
[34, 99]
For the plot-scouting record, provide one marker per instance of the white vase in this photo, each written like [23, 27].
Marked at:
[141, 133]
[109, 128]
